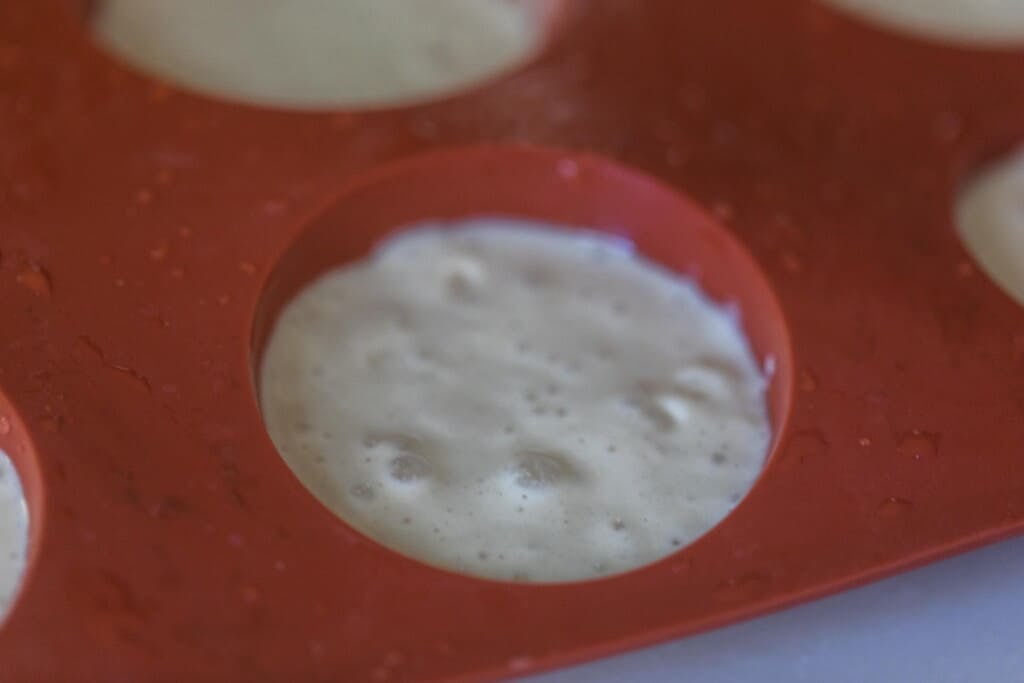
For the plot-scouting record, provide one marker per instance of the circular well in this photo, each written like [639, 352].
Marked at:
[986, 23]
[554, 188]
[322, 54]
[21, 504]
[989, 216]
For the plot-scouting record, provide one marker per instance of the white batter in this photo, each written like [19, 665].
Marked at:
[990, 219]
[960, 21]
[516, 402]
[322, 53]
[13, 532]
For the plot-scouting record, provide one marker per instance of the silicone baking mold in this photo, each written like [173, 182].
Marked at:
[149, 236]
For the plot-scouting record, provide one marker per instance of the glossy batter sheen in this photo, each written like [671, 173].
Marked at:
[314, 53]
[13, 532]
[516, 402]
[990, 219]
[960, 21]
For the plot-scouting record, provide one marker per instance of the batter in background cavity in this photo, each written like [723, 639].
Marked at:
[516, 402]
[322, 53]
[13, 532]
[990, 22]
[990, 218]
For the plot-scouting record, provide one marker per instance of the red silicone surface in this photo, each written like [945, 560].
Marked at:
[149, 236]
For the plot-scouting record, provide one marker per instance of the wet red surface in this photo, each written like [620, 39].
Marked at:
[148, 236]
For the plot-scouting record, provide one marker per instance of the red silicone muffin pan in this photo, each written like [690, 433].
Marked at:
[790, 158]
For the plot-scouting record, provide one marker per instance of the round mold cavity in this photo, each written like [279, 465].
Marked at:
[992, 24]
[294, 56]
[551, 187]
[18, 459]
[989, 218]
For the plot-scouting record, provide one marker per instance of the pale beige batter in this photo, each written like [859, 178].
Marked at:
[983, 22]
[990, 219]
[516, 402]
[323, 53]
[13, 532]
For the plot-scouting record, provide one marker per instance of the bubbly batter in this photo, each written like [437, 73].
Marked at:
[962, 21]
[516, 402]
[13, 532]
[322, 53]
[990, 218]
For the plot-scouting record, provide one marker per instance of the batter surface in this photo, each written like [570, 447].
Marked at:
[13, 532]
[322, 53]
[515, 401]
[962, 21]
[990, 219]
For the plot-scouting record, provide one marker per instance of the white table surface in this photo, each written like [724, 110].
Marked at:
[961, 620]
